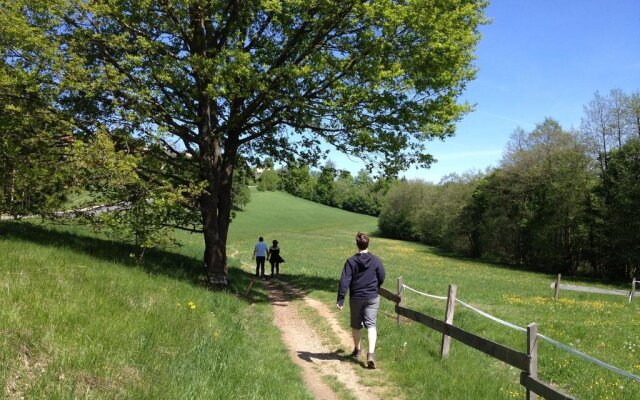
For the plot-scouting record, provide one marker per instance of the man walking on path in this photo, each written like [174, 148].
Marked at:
[362, 275]
[260, 254]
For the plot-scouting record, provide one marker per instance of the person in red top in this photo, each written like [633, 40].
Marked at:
[362, 275]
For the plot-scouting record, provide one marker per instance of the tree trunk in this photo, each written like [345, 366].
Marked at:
[215, 248]
[216, 167]
[215, 205]
[12, 186]
[603, 157]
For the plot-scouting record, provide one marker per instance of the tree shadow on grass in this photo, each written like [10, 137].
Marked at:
[155, 261]
[312, 283]
[291, 287]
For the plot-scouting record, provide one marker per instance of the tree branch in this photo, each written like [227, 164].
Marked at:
[183, 228]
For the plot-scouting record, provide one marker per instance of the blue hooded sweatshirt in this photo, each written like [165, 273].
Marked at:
[362, 275]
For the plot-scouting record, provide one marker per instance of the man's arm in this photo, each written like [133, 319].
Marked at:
[380, 273]
[343, 286]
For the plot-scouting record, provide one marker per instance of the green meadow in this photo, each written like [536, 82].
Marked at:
[81, 318]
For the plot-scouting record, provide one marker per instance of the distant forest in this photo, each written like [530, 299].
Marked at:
[561, 201]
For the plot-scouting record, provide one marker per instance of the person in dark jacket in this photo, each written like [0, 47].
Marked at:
[362, 275]
[274, 258]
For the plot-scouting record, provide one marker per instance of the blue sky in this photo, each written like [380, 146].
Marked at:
[537, 59]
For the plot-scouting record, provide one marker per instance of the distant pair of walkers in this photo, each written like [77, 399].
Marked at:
[262, 253]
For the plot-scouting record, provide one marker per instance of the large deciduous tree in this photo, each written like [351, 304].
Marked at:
[211, 81]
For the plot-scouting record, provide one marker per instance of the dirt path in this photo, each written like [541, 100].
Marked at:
[318, 362]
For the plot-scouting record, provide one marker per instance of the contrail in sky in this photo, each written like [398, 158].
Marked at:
[467, 154]
[506, 118]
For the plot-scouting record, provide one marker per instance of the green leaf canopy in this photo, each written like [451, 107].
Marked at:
[218, 80]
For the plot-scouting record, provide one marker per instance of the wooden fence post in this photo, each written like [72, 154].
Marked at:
[448, 318]
[400, 295]
[532, 352]
[556, 293]
[633, 290]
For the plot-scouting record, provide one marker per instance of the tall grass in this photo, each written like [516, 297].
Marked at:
[95, 322]
[79, 318]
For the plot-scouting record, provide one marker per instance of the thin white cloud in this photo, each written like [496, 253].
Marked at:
[468, 154]
[505, 118]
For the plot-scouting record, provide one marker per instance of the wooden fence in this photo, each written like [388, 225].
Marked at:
[525, 362]
[557, 286]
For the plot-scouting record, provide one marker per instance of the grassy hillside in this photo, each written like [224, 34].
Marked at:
[79, 317]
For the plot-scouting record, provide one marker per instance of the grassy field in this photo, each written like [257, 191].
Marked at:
[79, 317]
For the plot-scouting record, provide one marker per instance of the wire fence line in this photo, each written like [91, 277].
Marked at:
[547, 339]
[491, 317]
[426, 294]
[587, 357]
[469, 306]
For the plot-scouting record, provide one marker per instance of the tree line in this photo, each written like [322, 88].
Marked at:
[329, 186]
[560, 200]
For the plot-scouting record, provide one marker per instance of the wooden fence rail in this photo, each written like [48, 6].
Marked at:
[526, 362]
[388, 295]
[495, 350]
[543, 389]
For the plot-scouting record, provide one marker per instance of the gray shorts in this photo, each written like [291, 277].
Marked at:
[364, 312]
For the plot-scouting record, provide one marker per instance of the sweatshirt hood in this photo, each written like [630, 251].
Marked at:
[364, 259]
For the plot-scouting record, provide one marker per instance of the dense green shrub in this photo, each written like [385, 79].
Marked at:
[399, 215]
[268, 180]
